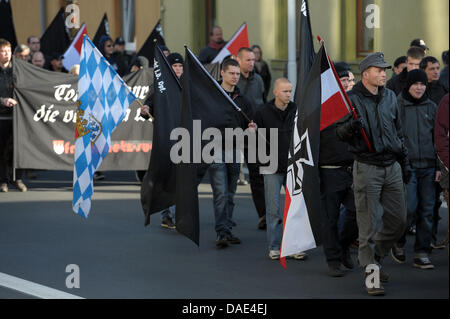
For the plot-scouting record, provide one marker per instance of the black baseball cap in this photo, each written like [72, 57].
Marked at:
[120, 41]
[419, 43]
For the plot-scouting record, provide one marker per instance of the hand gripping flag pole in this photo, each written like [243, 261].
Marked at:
[104, 99]
[352, 109]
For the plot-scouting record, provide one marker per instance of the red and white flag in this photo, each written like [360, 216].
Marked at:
[334, 99]
[239, 40]
[73, 53]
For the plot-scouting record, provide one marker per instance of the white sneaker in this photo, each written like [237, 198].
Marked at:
[299, 256]
[274, 254]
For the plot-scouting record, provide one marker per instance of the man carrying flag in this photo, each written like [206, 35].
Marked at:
[204, 99]
[164, 103]
[103, 101]
[378, 175]
[335, 162]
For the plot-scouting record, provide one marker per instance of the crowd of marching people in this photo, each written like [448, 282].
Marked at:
[372, 200]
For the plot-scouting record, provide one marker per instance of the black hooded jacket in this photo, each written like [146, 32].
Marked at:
[398, 82]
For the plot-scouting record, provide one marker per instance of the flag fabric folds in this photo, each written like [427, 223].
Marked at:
[306, 54]
[148, 48]
[202, 99]
[334, 104]
[239, 40]
[103, 29]
[301, 222]
[73, 54]
[55, 39]
[159, 184]
[7, 30]
[103, 101]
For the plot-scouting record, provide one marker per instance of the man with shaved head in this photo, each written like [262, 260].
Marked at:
[277, 114]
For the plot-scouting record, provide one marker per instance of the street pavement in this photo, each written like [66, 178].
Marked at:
[120, 258]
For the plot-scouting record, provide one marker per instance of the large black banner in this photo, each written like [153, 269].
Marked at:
[44, 122]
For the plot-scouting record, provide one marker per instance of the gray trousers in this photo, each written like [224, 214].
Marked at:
[380, 209]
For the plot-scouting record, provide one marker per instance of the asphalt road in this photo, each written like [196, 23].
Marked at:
[120, 258]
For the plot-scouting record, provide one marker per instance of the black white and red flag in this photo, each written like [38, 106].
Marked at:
[322, 103]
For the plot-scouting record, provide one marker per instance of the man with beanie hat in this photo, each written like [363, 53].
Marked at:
[335, 162]
[418, 114]
[342, 69]
[379, 171]
[176, 61]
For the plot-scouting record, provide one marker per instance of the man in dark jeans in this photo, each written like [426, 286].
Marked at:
[418, 115]
[336, 183]
[378, 174]
[251, 86]
[224, 174]
[6, 124]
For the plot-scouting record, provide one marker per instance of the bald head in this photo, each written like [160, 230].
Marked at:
[282, 91]
[280, 81]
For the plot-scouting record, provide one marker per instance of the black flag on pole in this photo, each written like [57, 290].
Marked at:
[103, 29]
[7, 30]
[159, 184]
[202, 99]
[306, 52]
[55, 39]
[301, 222]
[148, 48]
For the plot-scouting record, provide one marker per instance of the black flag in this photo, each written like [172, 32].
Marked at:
[306, 53]
[7, 31]
[202, 99]
[55, 39]
[159, 184]
[103, 29]
[148, 49]
[301, 230]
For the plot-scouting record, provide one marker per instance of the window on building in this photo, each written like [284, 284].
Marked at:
[367, 15]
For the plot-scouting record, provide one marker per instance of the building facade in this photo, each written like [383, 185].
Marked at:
[350, 28]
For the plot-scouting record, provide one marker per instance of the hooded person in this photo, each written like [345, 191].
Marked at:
[106, 48]
[418, 114]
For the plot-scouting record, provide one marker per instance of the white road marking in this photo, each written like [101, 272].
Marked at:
[33, 289]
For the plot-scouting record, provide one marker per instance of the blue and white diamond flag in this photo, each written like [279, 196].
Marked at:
[103, 101]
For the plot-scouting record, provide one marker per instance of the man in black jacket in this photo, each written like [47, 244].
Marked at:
[251, 86]
[216, 43]
[418, 114]
[336, 182]
[413, 58]
[277, 114]
[224, 175]
[377, 170]
[435, 90]
[6, 124]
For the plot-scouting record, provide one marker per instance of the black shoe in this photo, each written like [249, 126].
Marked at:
[398, 253]
[222, 241]
[233, 240]
[98, 176]
[423, 263]
[347, 260]
[168, 223]
[334, 270]
[262, 225]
